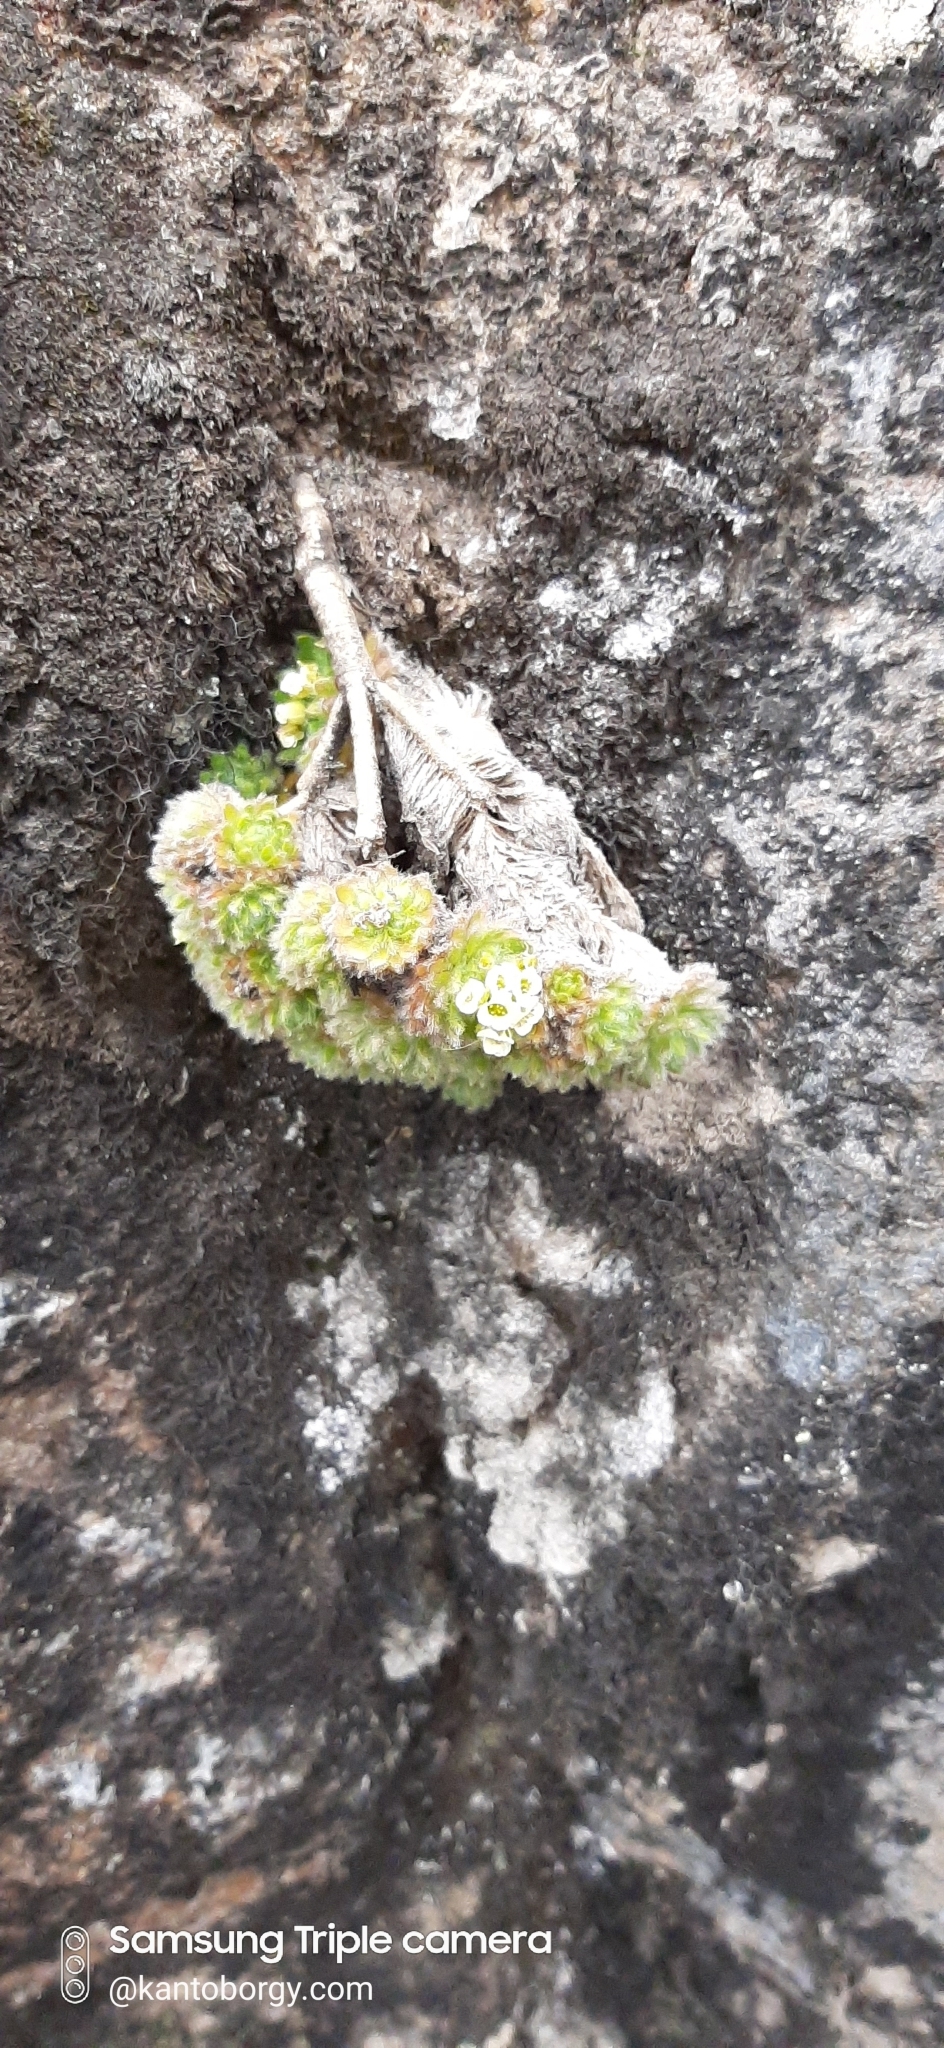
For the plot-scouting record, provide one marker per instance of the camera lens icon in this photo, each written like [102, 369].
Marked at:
[75, 1964]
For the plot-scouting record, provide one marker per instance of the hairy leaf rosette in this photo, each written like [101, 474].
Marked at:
[380, 921]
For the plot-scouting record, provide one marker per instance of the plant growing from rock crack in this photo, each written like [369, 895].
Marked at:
[499, 943]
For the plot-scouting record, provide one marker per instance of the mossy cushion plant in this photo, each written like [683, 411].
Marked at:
[494, 942]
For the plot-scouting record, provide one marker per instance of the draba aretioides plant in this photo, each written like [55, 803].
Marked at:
[482, 935]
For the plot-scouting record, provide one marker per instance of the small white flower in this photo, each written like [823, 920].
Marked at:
[290, 714]
[527, 1018]
[506, 1004]
[294, 682]
[496, 1043]
[503, 978]
[513, 999]
[470, 997]
[497, 1013]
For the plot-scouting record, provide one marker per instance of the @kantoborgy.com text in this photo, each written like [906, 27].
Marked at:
[274, 1991]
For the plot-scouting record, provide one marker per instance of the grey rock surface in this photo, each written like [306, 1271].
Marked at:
[529, 1520]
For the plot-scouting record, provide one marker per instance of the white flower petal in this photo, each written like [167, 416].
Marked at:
[496, 1043]
[293, 682]
[470, 997]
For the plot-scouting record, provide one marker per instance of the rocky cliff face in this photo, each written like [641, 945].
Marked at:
[533, 1519]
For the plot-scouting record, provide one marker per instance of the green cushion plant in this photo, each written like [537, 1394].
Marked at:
[526, 959]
